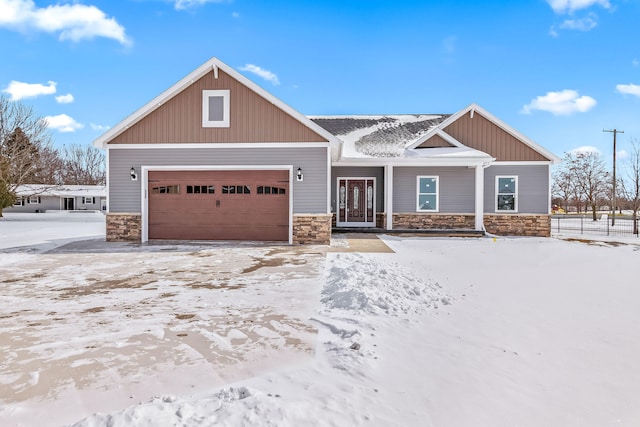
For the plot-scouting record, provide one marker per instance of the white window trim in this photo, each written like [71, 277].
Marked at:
[89, 202]
[225, 122]
[497, 193]
[36, 198]
[437, 178]
[18, 201]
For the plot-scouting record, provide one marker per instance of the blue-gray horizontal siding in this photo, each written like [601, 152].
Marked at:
[309, 195]
[533, 187]
[456, 188]
[358, 172]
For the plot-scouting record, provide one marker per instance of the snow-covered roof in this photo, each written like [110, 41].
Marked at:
[378, 136]
[26, 190]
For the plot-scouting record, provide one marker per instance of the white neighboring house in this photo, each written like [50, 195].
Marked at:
[36, 198]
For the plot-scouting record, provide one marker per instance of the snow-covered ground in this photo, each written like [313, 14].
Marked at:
[439, 332]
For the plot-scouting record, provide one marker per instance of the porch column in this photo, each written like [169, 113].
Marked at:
[479, 214]
[388, 196]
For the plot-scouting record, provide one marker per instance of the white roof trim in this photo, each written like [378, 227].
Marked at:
[424, 162]
[472, 109]
[211, 65]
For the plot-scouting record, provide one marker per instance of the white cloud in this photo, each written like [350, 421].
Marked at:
[187, 4]
[73, 22]
[21, 90]
[562, 103]
[622, 154]
[583, 24]
[98, 127]
[635, 62]
[629, 89]
[265, 74]
[235, 15]
[65, 99]
[586, 149]
[63, 123]
[570, 6]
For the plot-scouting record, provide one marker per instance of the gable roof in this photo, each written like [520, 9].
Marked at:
[472, 109]
[214, 65]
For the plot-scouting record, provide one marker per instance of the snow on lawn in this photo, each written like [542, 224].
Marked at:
[44, 231]
[443, 332]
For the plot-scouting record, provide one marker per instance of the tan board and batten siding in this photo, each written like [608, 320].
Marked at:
[435, 141]
[253, 119]
[482, 134]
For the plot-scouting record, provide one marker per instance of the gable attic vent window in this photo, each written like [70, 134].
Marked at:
[215, 108]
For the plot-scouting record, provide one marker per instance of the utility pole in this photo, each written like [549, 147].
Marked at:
[613, 215]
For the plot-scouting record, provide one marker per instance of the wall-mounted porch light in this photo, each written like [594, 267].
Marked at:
[299, 175]
[134, 175]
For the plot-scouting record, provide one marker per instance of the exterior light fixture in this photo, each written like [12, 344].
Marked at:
[299, 175]
[134, 175]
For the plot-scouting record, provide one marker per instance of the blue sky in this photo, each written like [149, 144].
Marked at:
[558, 71]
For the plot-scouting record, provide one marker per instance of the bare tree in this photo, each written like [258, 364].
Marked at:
[563, 187]
[588, 173]
[49, 168]
[23, 136]
[631, 183]
[83, 165]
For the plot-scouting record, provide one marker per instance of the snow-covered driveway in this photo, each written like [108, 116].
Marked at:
[97, 326]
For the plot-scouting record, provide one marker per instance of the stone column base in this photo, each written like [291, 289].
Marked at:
[124, 227]
[312, 229]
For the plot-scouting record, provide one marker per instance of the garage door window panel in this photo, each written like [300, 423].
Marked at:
[201, 189]
[236, 189]
[166, 189]
[265, 189]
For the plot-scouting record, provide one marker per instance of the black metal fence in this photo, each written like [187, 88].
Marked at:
[584, 224]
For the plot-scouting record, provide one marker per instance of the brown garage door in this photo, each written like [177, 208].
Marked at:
[219, 205]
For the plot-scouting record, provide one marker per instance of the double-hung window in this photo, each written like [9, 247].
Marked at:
[506, 194]
[215, 108]
[427, 197]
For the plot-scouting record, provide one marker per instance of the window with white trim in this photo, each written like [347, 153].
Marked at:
[215, 108]
[34, 200]
[19, 201]
[427, 197]
[89, 200]
[506, 194]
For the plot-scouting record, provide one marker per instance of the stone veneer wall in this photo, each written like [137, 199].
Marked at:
[312, 229]
[426, 221]
[538, 225]
[124, 227]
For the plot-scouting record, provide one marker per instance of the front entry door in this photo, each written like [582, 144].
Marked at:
[68, 203]
[356, 200]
